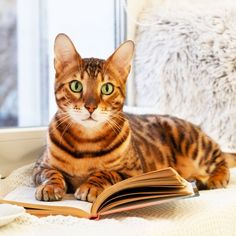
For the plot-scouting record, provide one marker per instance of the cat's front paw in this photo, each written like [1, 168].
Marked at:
[87, 192]
[49, 192]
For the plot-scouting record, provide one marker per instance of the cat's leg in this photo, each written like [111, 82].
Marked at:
[96, 183]
[217, 171]
[50, 183]
[219, 177]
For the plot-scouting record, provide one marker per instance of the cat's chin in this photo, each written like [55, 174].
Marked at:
[91, 124]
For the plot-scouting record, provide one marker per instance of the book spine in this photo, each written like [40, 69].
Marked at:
[94, 217]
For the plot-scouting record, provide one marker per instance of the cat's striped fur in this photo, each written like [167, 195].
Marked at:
[92, 144]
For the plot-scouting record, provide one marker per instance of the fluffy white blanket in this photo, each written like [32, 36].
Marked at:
[185, 64]
[213, 213]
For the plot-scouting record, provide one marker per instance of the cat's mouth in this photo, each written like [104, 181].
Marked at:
[90, 119]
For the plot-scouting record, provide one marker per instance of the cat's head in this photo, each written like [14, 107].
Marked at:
[90, 90]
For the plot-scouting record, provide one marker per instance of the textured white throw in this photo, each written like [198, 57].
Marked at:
[185, 64]
[213, 213]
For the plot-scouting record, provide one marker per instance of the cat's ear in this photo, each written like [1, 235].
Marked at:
[121, 59]
[64, 52]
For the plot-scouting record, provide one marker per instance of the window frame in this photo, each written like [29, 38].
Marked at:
[28, 51]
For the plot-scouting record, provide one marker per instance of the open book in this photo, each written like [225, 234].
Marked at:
[148, 189]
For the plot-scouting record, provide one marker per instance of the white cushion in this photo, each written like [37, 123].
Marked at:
[185, 64]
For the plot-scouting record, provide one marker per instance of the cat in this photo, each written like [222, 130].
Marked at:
[92, 144]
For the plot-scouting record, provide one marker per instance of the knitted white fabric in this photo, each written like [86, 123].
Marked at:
[21, 176]
[185, 64]
[213, 213]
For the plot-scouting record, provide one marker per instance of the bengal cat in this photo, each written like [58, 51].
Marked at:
[93, 144]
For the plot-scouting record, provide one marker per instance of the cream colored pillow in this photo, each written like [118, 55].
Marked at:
[185, 64]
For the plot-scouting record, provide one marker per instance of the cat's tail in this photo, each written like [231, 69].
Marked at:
[230, 159]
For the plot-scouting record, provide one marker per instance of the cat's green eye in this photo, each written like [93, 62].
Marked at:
[107, 89]
[76, 86]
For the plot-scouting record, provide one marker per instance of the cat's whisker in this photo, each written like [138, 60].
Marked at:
[116, 119]
[121, 118]
[120, 128]
[64, 131]
[61, 120]
[115, 127]
[68, 102]
[108, 121]
[118, 116]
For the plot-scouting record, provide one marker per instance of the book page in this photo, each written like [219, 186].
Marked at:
[140, 201]
[26, 195]
[166, 177]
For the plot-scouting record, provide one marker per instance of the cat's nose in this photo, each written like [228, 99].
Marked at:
[91, 107]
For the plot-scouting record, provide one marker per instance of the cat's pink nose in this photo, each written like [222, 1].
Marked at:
[91, 107]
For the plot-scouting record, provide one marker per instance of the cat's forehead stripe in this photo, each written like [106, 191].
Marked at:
[93, 66]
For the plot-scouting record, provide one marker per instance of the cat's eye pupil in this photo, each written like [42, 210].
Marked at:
[76, 85]
[107, 88]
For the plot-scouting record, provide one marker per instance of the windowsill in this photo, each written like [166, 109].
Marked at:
[20, 146]
[16, 133]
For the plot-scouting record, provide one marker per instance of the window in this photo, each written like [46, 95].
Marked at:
[28, 29]
[8, 68]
